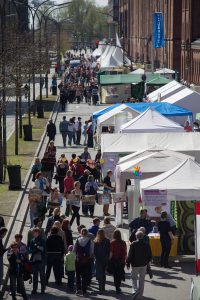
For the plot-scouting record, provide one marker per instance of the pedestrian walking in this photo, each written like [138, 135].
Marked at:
[64, 130]
[166, 238]
[108, 228]
[84, 249]
[61, 173]
[78, 126]
[85, 155]
[107, 191]
[118, 254]
[37, 250]
[52, 219]
[36, 168]
[51, 130]
[141, 221]
[76, 205]
[95, 227]
[70, 267]
[91, 188]
[83, 179]
[68, 187]
[71, 132]
[3, 232]
[68, 233]
[139, 257]
[55, 252]
[84, 132]
[16, 259]
[47, 166]
[101, 254]
[35, 199]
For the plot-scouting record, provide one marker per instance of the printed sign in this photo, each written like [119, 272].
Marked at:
[158, 39]
[119, 197]
[89, 199]
[155, 197]
[73, 199]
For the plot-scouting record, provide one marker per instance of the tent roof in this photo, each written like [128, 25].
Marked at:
[151, 121]
[164, 71]
[181, 183]
[176, 93]
[132, 78]
[133, 142]
[158, 162]
[110, 114]
[165, 109]
[138, 71]
[140, 154]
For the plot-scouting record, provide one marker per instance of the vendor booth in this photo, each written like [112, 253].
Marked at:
[112, 120]
[165, 109]
[182, 183]
[151, 121]
[152, 163]
[114, 146]
[176, 93]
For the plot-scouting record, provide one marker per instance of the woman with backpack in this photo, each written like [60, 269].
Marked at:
[91, 188]
[84, 249]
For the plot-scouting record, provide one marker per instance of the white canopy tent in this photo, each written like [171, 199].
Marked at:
[138, 71]
[151, 121]
[176, 93]
[164, 71]
[182, 182]
[99, 51]
[151, 163]
[114, 146]
[115, 117]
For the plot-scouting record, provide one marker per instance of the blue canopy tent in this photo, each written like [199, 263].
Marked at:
[164, 108]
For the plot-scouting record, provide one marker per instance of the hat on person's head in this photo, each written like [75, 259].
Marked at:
[70, 248]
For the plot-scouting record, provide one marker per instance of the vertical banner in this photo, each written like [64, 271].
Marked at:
[197, 236]
[158, 30]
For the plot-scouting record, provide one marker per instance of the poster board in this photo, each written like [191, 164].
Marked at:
[119, 197]
[89, 200]
[73, 199]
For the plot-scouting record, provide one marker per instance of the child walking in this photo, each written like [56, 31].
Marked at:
[70, 258]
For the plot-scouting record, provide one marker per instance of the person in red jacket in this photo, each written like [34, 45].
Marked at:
[68, 187]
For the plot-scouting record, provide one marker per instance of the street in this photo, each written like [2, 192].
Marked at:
[166, 284]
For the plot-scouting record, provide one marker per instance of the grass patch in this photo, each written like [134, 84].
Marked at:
[27, 151]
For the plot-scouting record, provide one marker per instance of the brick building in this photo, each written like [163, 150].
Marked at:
[182, 34]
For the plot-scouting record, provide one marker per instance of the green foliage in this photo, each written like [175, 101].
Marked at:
[87, 21]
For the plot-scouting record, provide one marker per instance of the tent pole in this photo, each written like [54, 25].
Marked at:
[195, 237]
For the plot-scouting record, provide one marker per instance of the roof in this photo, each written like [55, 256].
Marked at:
[176, 93]
[163, 108]
[112, 113]
[151, 121]
[132, 78]
[181, 183]
[132, 142]
[164, 71]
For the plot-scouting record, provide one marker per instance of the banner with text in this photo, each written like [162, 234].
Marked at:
[158, 30]
[155, 197]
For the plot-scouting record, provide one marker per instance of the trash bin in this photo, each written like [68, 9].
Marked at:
[14, 174]
[27, 132]
[40, 111]
[54, 90]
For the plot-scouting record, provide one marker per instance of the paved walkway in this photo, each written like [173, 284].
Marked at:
[167, 284]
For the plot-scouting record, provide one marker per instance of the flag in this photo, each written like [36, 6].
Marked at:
[158, 31]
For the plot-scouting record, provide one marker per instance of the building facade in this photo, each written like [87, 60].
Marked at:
[182, 32]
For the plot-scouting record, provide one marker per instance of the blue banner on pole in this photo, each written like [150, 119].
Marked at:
[158, 31]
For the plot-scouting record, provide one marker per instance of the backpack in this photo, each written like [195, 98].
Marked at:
[83, 253]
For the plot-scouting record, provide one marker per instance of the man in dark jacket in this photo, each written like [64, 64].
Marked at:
[3, 232]
[139, 257]
[51, 130]
[55, 252]
[141, 221]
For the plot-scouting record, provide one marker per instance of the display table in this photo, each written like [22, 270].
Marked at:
[154, 240]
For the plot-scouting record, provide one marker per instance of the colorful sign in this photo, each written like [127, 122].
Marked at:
[158, 31]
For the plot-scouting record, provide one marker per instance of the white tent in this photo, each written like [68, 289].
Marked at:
[151, 121]
[105, 53]
[121, 113]
[115, 145]
[138, 71]
[164, 71]
[176, 93]
[151, 163]
[181, 183]
[99, 51]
